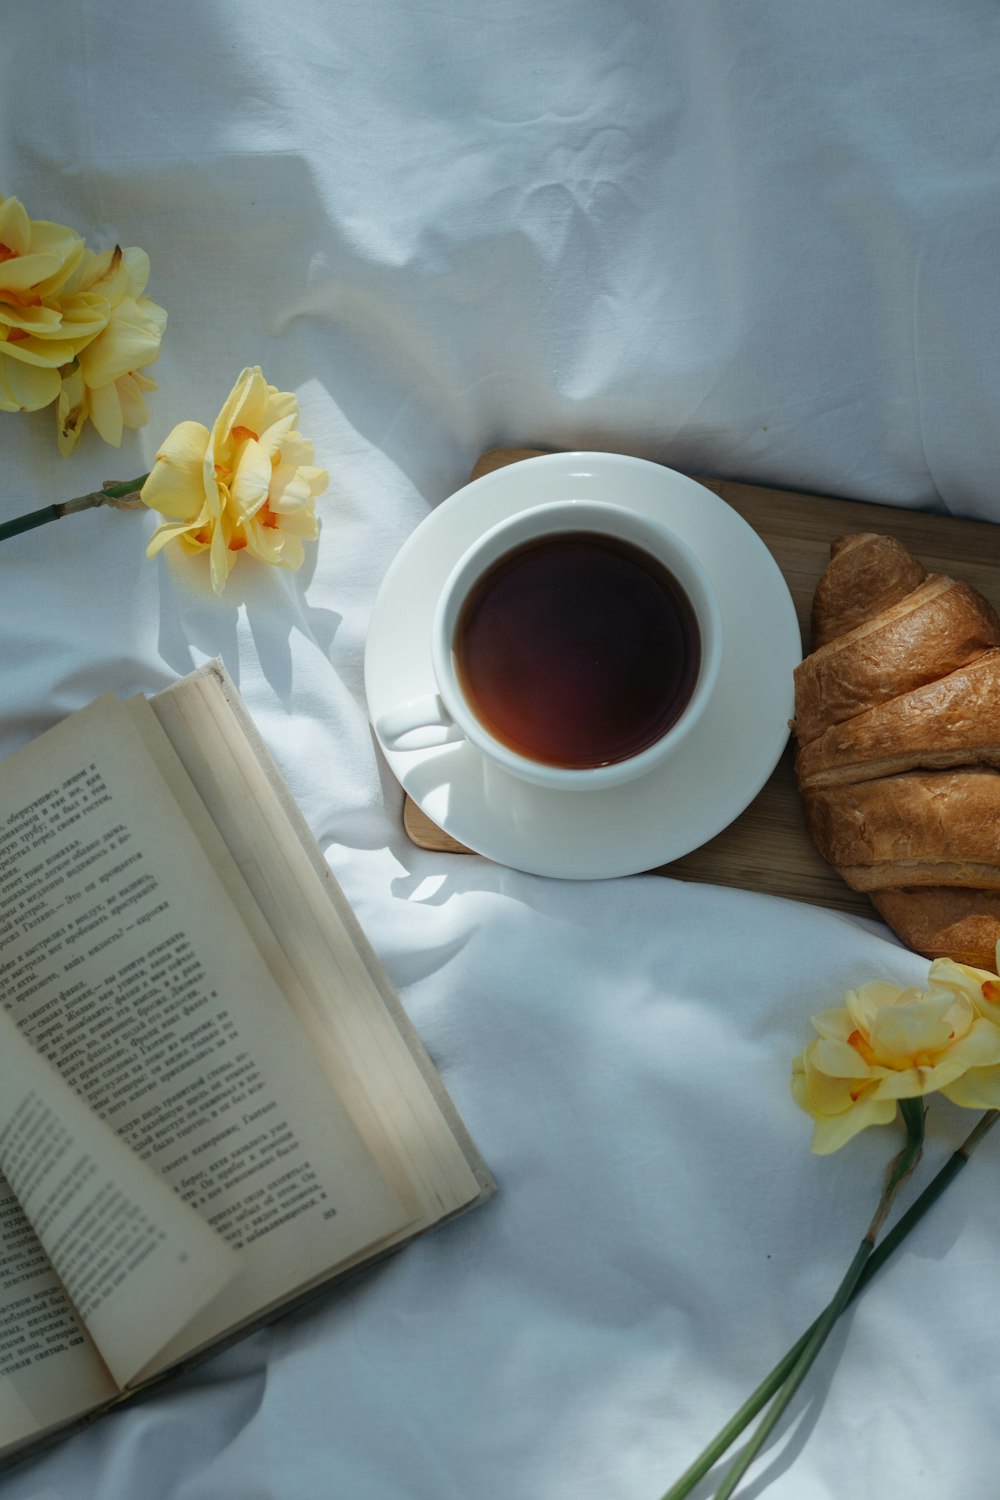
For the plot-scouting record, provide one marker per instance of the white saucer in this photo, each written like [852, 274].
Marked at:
[714, 774]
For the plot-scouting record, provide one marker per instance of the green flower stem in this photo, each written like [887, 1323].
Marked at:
[912, 1111]
[773, 1381]
[124, 495]
[813, 1344]
[32, 519]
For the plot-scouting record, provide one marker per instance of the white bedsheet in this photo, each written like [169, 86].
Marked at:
[757, 240]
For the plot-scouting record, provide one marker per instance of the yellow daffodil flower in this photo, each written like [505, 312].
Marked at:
[248, 485]
[886, 1043]
[106, 383]
[44, 320]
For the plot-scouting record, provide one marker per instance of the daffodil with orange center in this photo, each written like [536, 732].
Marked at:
[249, 484]
[44, 319]
[878, 1055]
[886, 1044]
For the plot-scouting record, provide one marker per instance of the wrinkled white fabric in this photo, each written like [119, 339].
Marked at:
[753, 240]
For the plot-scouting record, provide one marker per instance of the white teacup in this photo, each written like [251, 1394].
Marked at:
[527, 551]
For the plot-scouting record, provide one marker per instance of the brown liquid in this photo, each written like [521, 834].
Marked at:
[577, 650]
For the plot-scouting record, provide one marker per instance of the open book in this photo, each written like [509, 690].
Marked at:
[211, 1102]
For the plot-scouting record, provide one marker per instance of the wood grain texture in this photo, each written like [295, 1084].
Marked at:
[767, 848]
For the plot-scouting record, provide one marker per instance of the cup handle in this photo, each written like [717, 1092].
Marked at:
[422, 722]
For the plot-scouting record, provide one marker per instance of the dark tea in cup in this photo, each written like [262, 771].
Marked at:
[575, 644]
[577, 649]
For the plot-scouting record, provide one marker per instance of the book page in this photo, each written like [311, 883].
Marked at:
[50, 1370]
[331, 978]
[135, 1262]
[125, 963]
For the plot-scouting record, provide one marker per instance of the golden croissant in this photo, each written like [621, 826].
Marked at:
[897, 717]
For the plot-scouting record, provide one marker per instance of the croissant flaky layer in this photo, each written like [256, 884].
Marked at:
[940, 626]
[921, 828]
[938, 725]
[867, 574]
[943, 922]
[897, 715]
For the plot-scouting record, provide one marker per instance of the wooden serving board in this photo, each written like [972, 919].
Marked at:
[767, 847]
